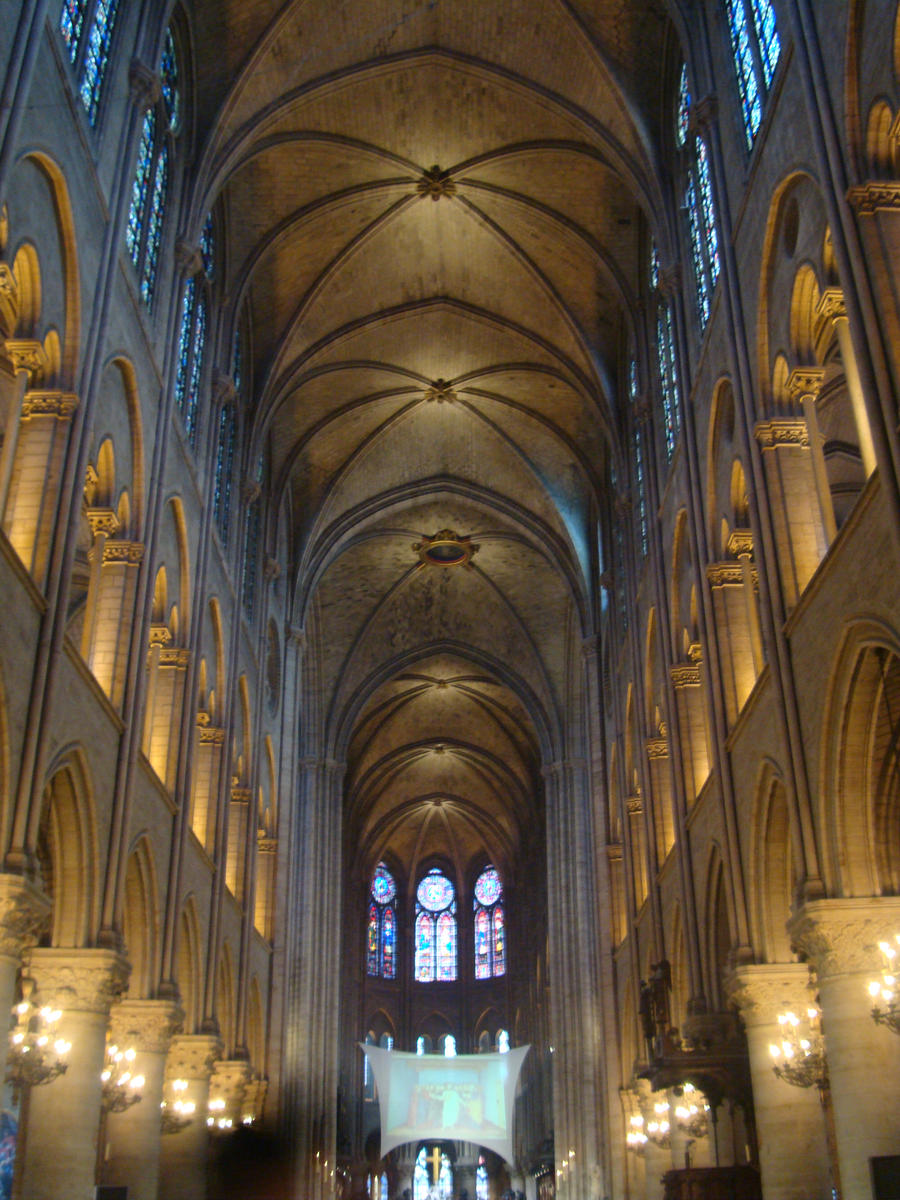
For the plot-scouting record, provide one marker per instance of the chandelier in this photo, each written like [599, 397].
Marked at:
[121, 1089]
[35, 1056]
[885, 988]
[635, 1138]
[177, 1114]
[217, 1118]
[692, 1112]
[658, 1126]
[800, 1057]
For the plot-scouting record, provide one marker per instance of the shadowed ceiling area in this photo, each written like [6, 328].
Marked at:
[435, 212]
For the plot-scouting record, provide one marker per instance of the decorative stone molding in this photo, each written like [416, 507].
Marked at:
[24, 912]
[191, 1056]
[782, 431]
[240, 795]
[267, 845]
[174, 656]
[188, 258]
[704, 113]
[148, 1025]
[436, 183]
[79, 980]
[160, 635]
[840, 937]
[229, 1079]
[271, 569]
[9, 300]
[634, 805]
[740, 541]
[685, 675]
[210, 735]
[27, 354]
[102, 520]
[143, 84]
[831, 304]
[440, 391]
[49, 404]
[657, 748]
[130, 553]
[725, 574]
[764, 990]
[695, 653]
[805, 383]
[223, 392]
[873, 196]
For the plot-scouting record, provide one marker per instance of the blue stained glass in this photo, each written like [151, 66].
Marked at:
[743, 62]
[137, 211]
[237, 362]
[96, 56]
[71, 24]
[690, 201]
[207, 246]
[184, 345]
[168, 79]
[684, 107]
[383, 887]
[224, 472]
[435, 891]
[767, 36]
[248, 584]
[372, 943]
[654, 266]
[488, 887]
[641, 487]
[155, 224]
[424, 948]
[709, 214]
[193, 392]
[490, 958]
[632, 380]
[665, 343]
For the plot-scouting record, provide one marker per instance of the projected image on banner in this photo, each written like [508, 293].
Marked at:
[466, 1098]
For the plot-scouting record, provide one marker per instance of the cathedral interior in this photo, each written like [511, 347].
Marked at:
[449, 544]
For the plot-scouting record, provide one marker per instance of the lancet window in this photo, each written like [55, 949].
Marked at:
[422, 1189]
[381, 935]
[755, 47]
[225, 446]
[87, 30]
[490, 925]
[698, 202]
[665, 350]
[640, 481]
[436, 933]
[150, 190]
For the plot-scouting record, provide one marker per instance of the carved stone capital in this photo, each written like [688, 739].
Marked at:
[160, 635]
[267, 845]
[147, 1025]
[143, 85]
[230, 1079]
[440, 391]
[188, 258]
[102, 520]
[782, 431]
[657, 747]
[634, 806]
[831, 304]
[9, 300]
[24, 912]
[840, 937]
[27, 354]
[868, 198]
[60, 405]
[174, 656]
[670, 277]
[129, 553]
[725, 574]
[210, 735]
[223, 392]
[240, 795]
[191, 1056]
[763, 991]
[79, 980]
[685, 675]
[740, 542]
[805, 383]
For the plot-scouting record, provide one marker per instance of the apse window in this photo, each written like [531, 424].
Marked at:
[436, 935]
[490, 925]
[381, 936]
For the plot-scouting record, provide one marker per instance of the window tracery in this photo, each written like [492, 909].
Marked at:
[436, 934]
[490, 925]
[668, 368]
[698, 202]
[381, 936]
[755, 48]
[87, 31]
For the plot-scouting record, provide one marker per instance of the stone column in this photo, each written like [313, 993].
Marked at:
[228, 1087]
[238, 831]
[790, 1126]
[107, 632]
[840, 938]
[183, 1155]
[831, 304]
[661, 795]
[689, 699]
[131, 1155]
[727, 585]
[208, 755]
[61, 1135]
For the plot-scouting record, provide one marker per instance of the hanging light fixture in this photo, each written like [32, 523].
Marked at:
[886, 988]
[177, 1114]
[36, 1055]
[121, 1088]
[692, 1112]
[800, 1056]
[658, 1127]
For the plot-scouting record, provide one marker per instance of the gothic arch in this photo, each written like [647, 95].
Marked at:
[226, 998]
[67, 850]
[140, 918]
[773, 867]
[187, 970]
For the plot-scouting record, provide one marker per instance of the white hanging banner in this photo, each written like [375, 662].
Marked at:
[427, 1097]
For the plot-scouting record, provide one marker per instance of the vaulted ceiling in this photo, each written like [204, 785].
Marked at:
[434, 213]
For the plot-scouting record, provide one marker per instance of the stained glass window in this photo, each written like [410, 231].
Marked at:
[482, 1188]
[502, 1041]
[668, 369]
[381, 938]
[435, 929]
[422, 1177]
[755, 47]
[87, 30]
[207, 246]
[191, 346]
[224, 472]
[640, 482]
[251, 552]
[682, 120]
[490, 927]
[698, 204]
[71, 25]
[150, 190]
